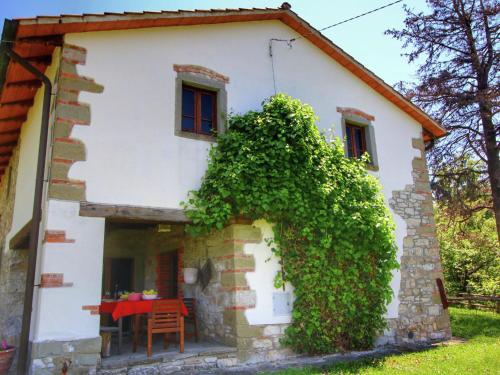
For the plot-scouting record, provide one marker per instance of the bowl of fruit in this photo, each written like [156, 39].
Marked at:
[149, 294]
[124, 295]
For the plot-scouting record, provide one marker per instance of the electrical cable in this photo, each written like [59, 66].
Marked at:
[290, 41]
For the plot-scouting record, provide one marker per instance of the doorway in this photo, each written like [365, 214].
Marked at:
[118, 276]
[167, 274]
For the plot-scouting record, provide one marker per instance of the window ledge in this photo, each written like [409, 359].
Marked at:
[371, 167]
[196, 136]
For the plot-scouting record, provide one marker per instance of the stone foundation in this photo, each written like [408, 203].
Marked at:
[421, 317]
[210, 358]
[79, 356]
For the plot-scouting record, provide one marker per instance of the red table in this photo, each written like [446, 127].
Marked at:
[120, 309]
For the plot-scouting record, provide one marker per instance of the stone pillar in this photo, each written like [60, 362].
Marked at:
[421, 317]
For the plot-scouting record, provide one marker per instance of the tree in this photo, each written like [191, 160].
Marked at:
[457, 46]
[469, 252]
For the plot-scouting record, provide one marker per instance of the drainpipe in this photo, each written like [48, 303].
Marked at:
[37, 211]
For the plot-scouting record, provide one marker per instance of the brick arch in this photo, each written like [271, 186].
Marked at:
[197, 69]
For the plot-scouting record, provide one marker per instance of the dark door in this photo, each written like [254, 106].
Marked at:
[118, 275]
[166, 278]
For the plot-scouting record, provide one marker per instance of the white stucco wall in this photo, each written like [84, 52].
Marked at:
[262, 280]
[134, 158]
[59, 314]
[29, 140]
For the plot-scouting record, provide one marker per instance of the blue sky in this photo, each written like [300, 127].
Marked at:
[363, 38]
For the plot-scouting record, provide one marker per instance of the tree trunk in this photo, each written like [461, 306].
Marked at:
[493, 160]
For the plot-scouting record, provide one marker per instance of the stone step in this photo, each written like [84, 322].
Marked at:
[171, 363]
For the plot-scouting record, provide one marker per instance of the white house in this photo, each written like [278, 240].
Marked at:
[134, 99]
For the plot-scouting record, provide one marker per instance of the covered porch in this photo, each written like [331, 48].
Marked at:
[145, 249]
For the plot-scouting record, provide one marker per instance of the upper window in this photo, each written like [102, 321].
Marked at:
[199, 110]
[200, 102]
[356, 140]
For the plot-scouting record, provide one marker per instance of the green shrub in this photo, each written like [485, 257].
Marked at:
[332, 230]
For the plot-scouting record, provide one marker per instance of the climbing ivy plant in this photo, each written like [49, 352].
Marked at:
[332, 230]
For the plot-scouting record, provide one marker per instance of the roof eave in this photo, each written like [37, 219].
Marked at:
[8, 36]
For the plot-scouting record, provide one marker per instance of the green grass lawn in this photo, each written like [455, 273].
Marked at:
[479, 355]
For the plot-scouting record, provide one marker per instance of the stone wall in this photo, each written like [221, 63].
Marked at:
[79, 356]
[13, 263]
[221, 305]
[421, 317]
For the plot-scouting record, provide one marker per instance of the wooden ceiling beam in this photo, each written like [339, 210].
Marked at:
[9, 137]
[42, 59]
[8, 127]
[48, 40]
[20, 103]
[13, 119]
[30, 83]
[7, 148]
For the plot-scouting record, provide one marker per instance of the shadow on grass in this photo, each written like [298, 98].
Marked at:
[347, 367]
[467, 324]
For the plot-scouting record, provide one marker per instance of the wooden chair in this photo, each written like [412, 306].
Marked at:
[118, 330]
[190, 304]
[166, 318]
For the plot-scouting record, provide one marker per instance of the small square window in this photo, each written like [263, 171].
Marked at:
[199, 110]
[356, 140]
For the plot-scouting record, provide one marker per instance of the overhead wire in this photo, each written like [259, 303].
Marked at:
[290, 41]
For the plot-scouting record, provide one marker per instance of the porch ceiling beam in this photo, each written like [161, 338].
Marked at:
[153, 214]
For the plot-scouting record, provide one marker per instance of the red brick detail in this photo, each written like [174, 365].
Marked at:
[67, 140]
[74, 54]
[233, 256]
[52, 280]
[240, 220]
[201, 70]
[180, 273]
[62, 120]
[62, 161]
[355, 112]
[240, 241]
[235, 289]
[76, 183]
[56, 236]
[90, 307]
[239, 270]
[239, 307]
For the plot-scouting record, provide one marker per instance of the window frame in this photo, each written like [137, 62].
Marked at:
[198, 116]
[351, 128]
[369, 136]
[205, 83]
